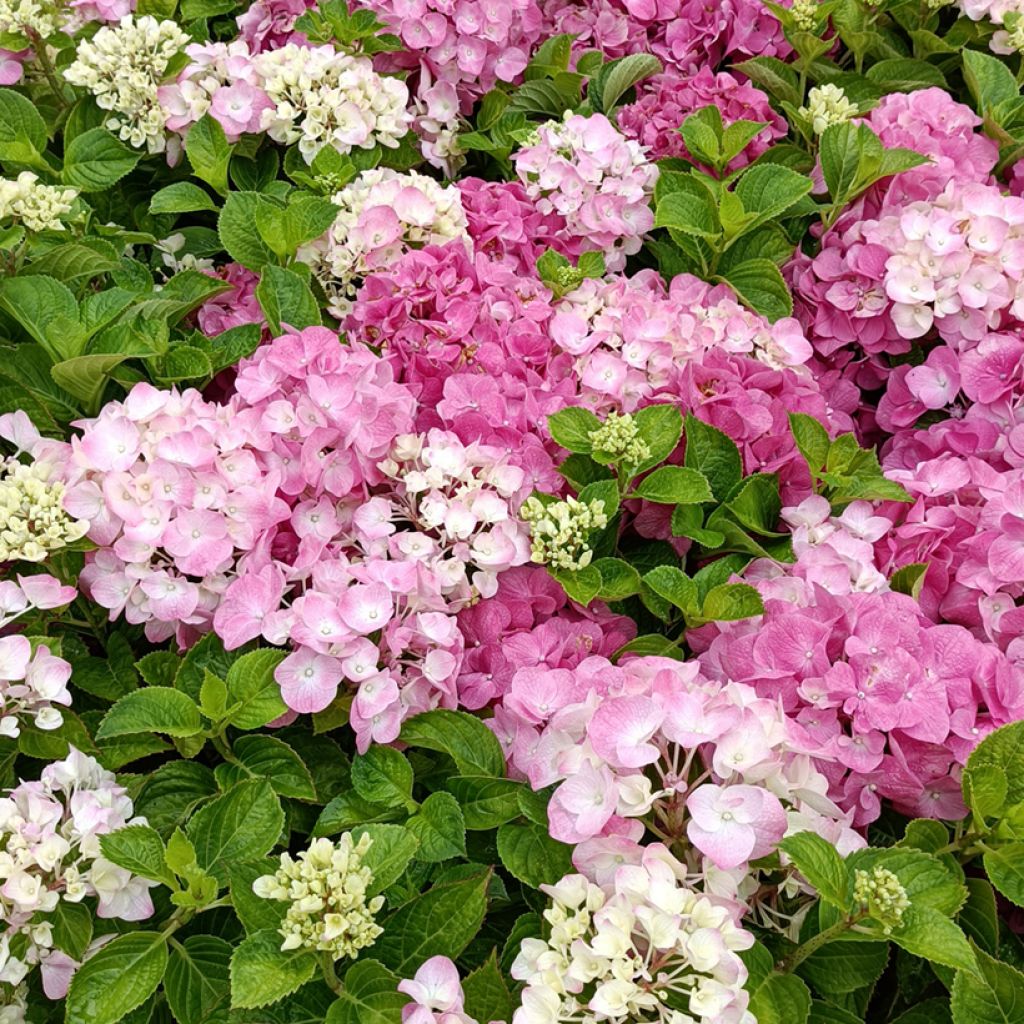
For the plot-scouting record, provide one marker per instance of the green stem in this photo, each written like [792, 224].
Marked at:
[812, 945]
[223, 749]
[49, 71]
[331, 978]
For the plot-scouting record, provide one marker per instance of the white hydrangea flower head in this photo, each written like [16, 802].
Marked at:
[24, 16]
[123, 66]
[326, 887]
[39, 207]
[326, 98]
[827, 105]
[561, 530]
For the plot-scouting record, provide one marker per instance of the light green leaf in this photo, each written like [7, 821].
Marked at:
[255, 691]
[117, 978]
[152, 709]
[993, 994]
[243, 823]
[383, 776]
[95, 160]
[819, 862]
[393, 848]
[531, 855]
[1004, 866]
[239, 235]
[781, 999]
[272, 759]
[181, 197]
[287, 300]
[197, 983]
[714, 454]
[463, 737]
[209, 153]
[571, 428]
[759, 283]
[370, 996]
[929, 934]
[675, 485]
[140, 849]
[262, 973]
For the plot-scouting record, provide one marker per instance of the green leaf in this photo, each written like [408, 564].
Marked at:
[152, 709]
[661, 427]
[675, 485]
[619, 75]
[172, 791]
[759, 283]
[531, 855]
[769, 190]
[243, 823]
[906, 75]
[989, 79]
[841, 967]
[74, 261]
[581, 585]
[619, 579]
[927, 881]
[842, 155]
[440, 922]
[979, 917]
[349, 809]
[253, 691]
[272, 759]
[1004, 866]
[239, 235]
[72, 928]
[827, 1013]
[37, 303]
[463, 737]
[778, 78]
[930, 934]
[811, 438]
[819, 862]
[781, 999]
[996, 769]
[95, 160]
[671, 584]
[285, 228]
[209, 153]
[931, 1011]
[440, 828]
[140, 849]
[393, 848]
[370, 996]
[255, 913]
[117, 978]
[714, 454]
[729, 602]
[572, 427]
[383, 776]
[487, 997]
[262, 973]
[690, 208]
[486, 802]
[287, 300]
[197, 982]
[23, 132]
[181, 197]
[992, 995]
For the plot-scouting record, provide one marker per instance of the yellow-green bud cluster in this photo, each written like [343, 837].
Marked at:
[39, 207]
[326, 887]
[619, 438]
[560, 532]
[32, 518]
[827, 105]
[805, 14]
[882, 895]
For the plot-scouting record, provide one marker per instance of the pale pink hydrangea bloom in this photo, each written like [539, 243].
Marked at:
[31, 683]
[55, 825]
[585, 170]
[436, 994]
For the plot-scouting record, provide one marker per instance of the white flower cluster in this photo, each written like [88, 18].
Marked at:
[22, 16]
[382, 214]
[31, 682]
[39, 207]
[123, 66]
[50, 851]
[644, 950]
[827, 105]
[325, 98]
[881, 894]
[33, 522]
[561, 530]
[327, 889]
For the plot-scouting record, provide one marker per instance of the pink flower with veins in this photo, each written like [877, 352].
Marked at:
[238, 108]
[734, 824]
[309, 681]
[621, 731]
[583, 804]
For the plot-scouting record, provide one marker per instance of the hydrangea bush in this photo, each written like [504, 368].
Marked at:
[511, 512]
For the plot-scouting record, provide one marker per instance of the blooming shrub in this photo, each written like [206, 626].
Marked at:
[511, 512]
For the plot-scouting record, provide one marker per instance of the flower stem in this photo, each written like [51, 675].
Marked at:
[812, 945]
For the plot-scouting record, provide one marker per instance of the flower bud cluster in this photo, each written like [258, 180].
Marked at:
[827, 105]
[25, 200]
[880, 892]
[18, 17]
[619, 439]
[560, 530]
[33, 522]
[327, 891]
